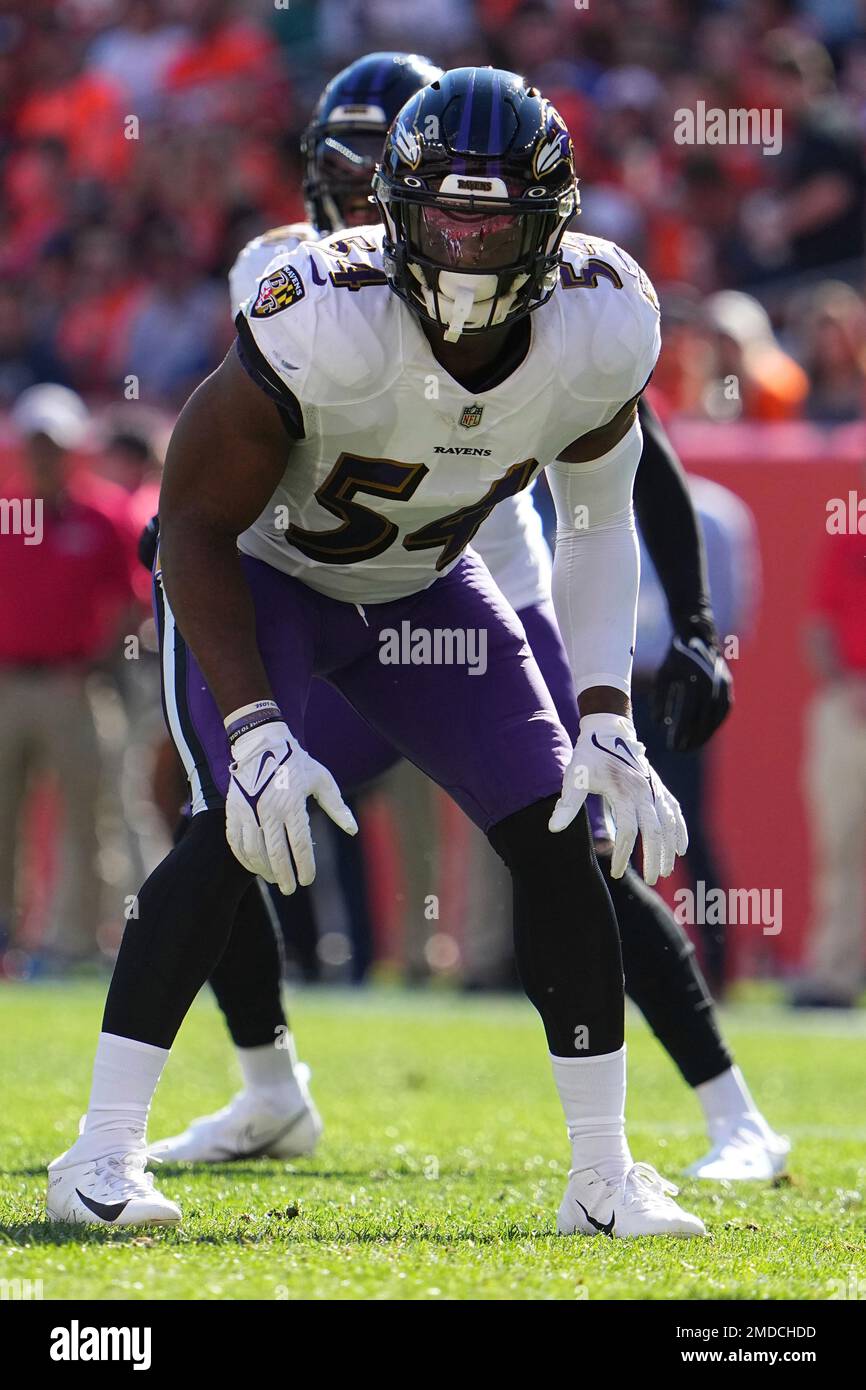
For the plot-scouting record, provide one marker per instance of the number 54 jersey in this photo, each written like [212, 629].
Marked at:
[399, 464]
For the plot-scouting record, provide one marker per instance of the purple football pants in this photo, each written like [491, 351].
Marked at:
[356, 754]
[445, 678]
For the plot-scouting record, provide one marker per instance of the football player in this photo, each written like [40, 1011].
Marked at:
[318, 498]
[273, 1115]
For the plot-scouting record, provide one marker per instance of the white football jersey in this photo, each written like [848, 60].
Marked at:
[400, 464]
[511, 541]
[512, 545]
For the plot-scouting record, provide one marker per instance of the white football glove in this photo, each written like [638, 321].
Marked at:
[266, 806]
[609, 760]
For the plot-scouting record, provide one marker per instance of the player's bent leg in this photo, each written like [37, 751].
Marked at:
[184, 918]
[568, 956]
[184, 915]
[485, 729]
[274, 1115]
[661, 971]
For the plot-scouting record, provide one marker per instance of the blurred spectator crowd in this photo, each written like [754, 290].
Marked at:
[142, 142]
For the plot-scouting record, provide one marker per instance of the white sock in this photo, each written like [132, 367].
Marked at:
[269, 1067]
[592, 1091]
[726, 1098]
[125, 1076]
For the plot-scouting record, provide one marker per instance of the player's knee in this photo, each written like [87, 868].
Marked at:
[206, 850]
[525, 843]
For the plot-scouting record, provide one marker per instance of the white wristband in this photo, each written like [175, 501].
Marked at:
[257, 707]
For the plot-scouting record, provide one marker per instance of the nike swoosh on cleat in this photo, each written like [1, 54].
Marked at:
[259, 1146]
[107, 1212]
[606, 1230]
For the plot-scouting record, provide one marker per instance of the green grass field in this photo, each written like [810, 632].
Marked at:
[442, 1163]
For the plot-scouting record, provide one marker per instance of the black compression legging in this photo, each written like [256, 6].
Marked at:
[565, 937]
[247, 981]
[662, 977]
[186, 911]
[200, 914]
[565, 933]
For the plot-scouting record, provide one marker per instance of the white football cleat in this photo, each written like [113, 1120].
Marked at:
[640, 1204]
[252, 1125]
[746, 1149]
[101, 1181]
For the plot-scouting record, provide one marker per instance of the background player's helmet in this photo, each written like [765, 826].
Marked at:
[476, 188]
[343, 142]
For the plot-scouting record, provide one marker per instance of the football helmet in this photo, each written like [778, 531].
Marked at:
[343, 141]
[476, 188]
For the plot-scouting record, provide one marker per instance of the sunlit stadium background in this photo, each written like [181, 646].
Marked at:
[142, 143]
[723, 144]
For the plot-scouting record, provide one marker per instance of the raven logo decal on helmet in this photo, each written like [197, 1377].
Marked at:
[407, 145]
[553, 147]
[474, 220]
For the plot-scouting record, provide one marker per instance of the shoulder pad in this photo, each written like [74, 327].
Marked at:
[325, 321]
[611, 315]
[253, 259]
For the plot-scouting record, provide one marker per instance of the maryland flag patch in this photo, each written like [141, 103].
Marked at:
[276, 292]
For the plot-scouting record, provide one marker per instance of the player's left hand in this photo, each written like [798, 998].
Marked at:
[692, 692]
[609, 760]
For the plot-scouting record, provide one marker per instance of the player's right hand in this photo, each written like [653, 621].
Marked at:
[267, 825]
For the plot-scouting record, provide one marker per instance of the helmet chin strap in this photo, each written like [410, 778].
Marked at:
[464, 300]
[458, 308]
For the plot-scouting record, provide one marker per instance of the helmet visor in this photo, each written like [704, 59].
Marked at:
[459, 240]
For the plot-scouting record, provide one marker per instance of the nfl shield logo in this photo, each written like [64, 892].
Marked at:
[471, 415]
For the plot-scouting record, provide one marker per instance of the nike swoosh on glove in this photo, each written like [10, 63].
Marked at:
[609, 760]
[267, 825]
[692, 692]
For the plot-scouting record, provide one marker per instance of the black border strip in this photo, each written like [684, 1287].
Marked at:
[257, 366]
